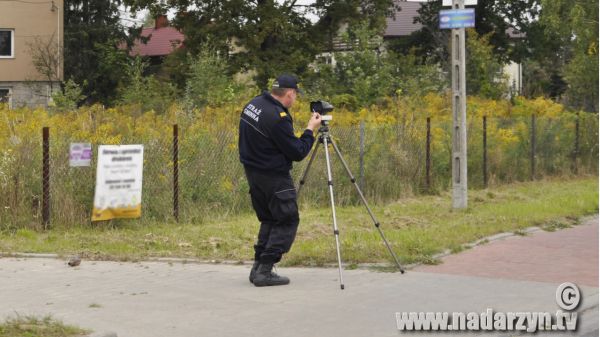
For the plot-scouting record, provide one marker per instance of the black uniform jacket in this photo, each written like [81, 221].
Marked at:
[267, 141]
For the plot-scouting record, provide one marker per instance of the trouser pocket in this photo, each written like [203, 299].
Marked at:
[284, 207]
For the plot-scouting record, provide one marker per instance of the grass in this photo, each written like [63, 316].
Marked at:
[417, 228]
[30, 326]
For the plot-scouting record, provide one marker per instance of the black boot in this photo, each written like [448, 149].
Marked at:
[253, 271]
[266, 277]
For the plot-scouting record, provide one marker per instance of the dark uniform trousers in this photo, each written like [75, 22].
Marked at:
[273, 198]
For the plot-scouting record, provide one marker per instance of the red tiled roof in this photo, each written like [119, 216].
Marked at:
[163, 41]
[402, 24]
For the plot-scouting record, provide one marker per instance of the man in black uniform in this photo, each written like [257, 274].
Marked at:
[267, 148]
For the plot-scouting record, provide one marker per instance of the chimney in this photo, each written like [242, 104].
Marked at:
[161, 21]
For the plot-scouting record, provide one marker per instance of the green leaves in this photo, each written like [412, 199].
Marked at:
[575, 25]
[208, 82]
[93, 32]
[145, 92]
[69, 98]
[484, 72]
[265, 36]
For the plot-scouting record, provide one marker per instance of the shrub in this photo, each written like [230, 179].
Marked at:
[145, 92]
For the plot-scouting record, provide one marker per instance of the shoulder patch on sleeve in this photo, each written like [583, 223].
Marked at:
[282, 114]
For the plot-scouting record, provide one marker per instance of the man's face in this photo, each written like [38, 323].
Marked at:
[290, 97]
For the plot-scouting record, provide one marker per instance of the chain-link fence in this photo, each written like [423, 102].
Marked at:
[388, 161]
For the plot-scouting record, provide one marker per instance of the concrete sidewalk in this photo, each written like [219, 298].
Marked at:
[154, 299]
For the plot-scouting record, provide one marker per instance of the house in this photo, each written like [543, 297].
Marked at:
[161, 40]
[30, 31]
[403, 25]
[514, 70]
[400, 26]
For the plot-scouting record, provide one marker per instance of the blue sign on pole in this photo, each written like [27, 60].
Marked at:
[457, 18]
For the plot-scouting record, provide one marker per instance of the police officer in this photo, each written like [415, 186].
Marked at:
[267, 147]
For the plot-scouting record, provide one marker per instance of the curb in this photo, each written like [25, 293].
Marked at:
[361, 266]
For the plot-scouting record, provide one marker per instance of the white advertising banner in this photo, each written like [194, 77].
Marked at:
[118, 182]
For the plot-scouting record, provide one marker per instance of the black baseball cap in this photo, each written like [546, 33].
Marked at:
[287, 82]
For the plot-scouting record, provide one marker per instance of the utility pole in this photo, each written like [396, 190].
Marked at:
[459, 114]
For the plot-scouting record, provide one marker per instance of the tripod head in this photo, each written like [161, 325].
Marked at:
[323, 132]
[323, 108]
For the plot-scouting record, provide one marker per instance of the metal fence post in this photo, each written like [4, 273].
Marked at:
[576, 150]
[428, 156]
[46, 177]
[176, 172]
[362, 155]
[532, 147]
[485, 174]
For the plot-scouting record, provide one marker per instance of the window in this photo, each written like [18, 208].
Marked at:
[5, 96]
[325, 58]
[7, 43]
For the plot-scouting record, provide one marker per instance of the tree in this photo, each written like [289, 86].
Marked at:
[493, 18]
[430, 42]
[68, 98]
[176, 68]
[364, 70]
[367, 72]
[149, 20]
[46, 57]
[573, 25]
[281, 43]
[416, 77]
[208, 83]
[485, 75]
[93, 34]
[266, 36]
[542, 68]
[144, 92]
[360, 75]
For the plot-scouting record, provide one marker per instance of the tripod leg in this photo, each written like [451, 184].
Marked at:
[336, 232]
[305, 174]
[364, 201]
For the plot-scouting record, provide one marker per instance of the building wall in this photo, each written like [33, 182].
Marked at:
[514, 72]
[31, 94]
[30, 20]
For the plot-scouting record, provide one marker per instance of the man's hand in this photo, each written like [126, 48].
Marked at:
[314, 122]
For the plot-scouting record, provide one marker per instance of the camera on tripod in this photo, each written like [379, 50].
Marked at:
[323, 108]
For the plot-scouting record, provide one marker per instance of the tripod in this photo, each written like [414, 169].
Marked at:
[325, 139]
